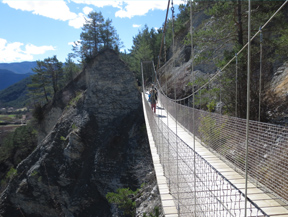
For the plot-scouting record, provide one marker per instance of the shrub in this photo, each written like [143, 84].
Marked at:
[211, 133]
[16, 147]
[157, 213]
[11, 173]
[38, 113]
[124, 198]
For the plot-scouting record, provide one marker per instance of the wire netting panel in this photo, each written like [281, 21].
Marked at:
[197, 187]
[226, 137]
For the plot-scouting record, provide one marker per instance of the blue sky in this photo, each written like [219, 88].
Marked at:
[37, 29]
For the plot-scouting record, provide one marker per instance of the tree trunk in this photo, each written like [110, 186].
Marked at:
[45, 93]
[240, 30]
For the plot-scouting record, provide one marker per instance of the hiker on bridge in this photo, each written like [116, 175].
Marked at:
[153, 98]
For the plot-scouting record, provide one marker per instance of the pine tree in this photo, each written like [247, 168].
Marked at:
[224, 33]
[96, 34]
[70, 69]
[39, 89]
[90, 36]
[54, 71]
[46, 81]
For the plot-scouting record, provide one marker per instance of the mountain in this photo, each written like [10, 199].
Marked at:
[8, 78]
[91, 141]
[19, 68]
[15, 95]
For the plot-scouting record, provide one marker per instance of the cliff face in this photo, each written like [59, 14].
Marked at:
[94, 141]
[276, 97]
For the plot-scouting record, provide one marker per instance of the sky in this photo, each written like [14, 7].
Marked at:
[37, 29]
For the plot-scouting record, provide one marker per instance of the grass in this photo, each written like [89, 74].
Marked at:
[7, 118]
[10, 116]
[74, 100]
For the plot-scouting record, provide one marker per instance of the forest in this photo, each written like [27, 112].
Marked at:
[220, 30]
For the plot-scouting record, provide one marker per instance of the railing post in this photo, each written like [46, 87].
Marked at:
[193, 118]
[177, 151]
[236, 84]
[248, 104]
[168, 140]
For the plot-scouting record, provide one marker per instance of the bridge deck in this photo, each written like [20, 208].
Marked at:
[266, 202]
[169, 208]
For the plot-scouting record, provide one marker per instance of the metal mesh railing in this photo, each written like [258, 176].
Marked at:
[226, 136]
[196, 186]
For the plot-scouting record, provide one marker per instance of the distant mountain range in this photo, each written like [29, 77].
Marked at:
[13, 80]
[15, 95]
[19, 68]
[7, 78]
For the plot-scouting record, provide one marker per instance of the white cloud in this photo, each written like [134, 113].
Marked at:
[14, 52]
[57, 10]
[87, 10]
[136, 26]
[32, 49]
[78, 21]
[100, 3]
[139, 8]
[131, 8]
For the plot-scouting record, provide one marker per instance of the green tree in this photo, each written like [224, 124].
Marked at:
[146, 45]
[19, 143]
[16, 147]
[90, 36]
[39, 88]
[70, 68]
[110, 37]
[124, 198]
[156, 211]
[46, 81]
[96, 34]
[54, 71]
[224, 33]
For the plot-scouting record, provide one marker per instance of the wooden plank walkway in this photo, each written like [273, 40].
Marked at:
[270, 206]
[169, 208]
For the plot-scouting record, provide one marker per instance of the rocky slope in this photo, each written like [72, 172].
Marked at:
[276, 96]
[176, 72]
[92, 140]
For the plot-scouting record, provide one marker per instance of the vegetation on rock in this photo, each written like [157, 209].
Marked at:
[15, 148]
[125, 199]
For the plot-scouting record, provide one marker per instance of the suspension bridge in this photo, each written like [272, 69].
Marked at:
[210, 164]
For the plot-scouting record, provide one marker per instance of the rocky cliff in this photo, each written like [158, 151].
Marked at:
[276, 96]
[177, 74]
[92, 140]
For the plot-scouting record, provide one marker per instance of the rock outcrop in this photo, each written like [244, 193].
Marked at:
[93, 141]
[276, 96]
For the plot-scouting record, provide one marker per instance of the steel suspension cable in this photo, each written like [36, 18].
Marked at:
[163, 36]
[224, 67]
[173, 35]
